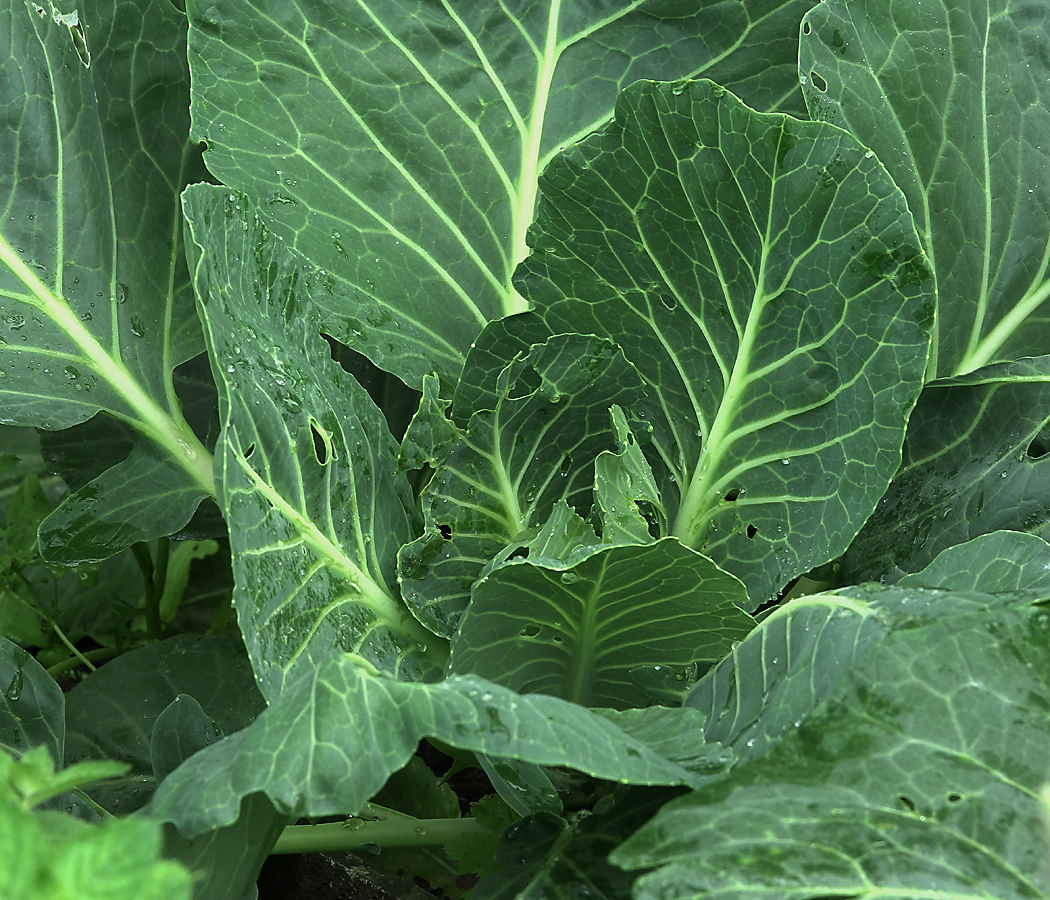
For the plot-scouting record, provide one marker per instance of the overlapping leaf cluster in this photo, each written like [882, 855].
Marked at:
[644, 405]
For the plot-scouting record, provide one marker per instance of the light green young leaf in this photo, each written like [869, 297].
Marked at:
[430, 436]
[565, 534]
[315, 508]
[330, 741]
[562, 535]
[919, 773]
[500, 480]
[397, 145]
[579, 629]
[974, 462]
[764, 276]
[52, 856]
[953, 100]
[623, 487]
[95, 308]
[33, 780]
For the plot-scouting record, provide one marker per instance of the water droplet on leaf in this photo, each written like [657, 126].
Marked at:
[14, 689]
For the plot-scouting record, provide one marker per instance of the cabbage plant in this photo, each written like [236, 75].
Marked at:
[644, 405]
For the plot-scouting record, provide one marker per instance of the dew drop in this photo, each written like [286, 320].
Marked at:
[14, 689]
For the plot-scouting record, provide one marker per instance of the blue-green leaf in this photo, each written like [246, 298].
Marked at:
[953, 99]
[918, 775]
[95, 306]
[315, 508]
[330, 741]
[764, 276]
[113, 713]
[579, 629]
[397, 145]
[974, 462]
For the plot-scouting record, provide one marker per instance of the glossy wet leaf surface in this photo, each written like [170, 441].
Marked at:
[903, 779]
[323, 758]
[95, 306]
[315, 509]
[974, 461]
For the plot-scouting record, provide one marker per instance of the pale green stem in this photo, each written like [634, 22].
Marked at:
[524, 204]
[357, 833]
[69, 645]
[86, 658]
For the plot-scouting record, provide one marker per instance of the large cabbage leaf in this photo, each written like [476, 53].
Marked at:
[397, 145]
[95, 306]
[764, 276]
[954, 100]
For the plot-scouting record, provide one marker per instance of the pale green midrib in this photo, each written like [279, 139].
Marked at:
[173, 258]
[114, 244]
[575, 38]
[507, 489]
[824, 601]
[691, 511]
[982, 297]
[60, 216]
[579, 677]
[524, 205]
[985, 351]
[453, 228]
[373, 595]
[150, 419]
[510, 524]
